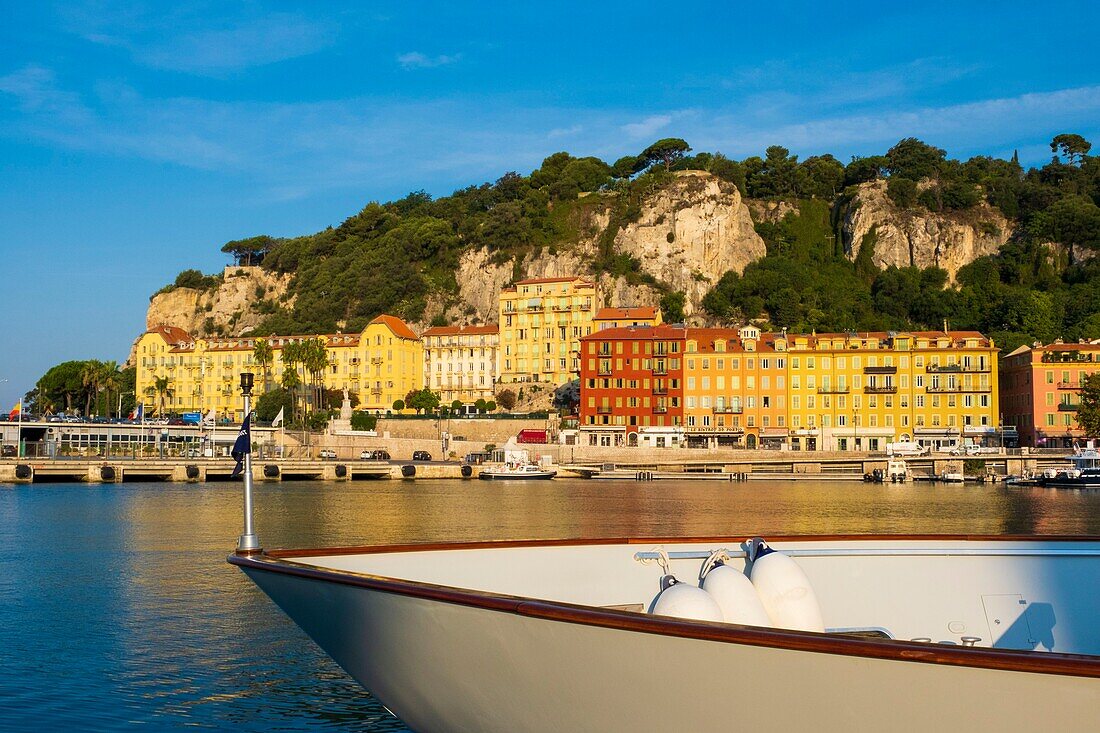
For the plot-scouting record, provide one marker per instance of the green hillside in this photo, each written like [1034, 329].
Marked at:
[393, 256]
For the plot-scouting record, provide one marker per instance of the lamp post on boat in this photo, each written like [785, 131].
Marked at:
[247, 542]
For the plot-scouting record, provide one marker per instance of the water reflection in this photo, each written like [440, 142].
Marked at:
[119, 608]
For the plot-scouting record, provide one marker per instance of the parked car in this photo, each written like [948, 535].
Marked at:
[327, 453]
[7, 451]
[374, 455]
[421, 455]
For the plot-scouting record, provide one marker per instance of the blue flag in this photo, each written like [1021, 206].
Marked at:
[242, 445]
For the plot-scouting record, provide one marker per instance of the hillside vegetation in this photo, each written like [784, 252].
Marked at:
[401, 257]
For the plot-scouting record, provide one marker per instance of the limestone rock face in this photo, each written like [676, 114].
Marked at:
[690, 233]
[921, 238]
[230, 304]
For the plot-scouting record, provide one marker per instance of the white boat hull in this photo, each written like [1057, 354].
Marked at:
[491, 475]
[444, 667]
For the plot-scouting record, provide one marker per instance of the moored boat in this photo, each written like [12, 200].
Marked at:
[981, 633]
[512, 463]
[1082, 473]
[526, 471]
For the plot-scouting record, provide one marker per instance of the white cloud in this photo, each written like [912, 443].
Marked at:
[646, 128]
[287, 150]
[258, 42]
[417, 60]
[188, 37]
[570, 131]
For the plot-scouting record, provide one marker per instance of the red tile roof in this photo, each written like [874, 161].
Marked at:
[487, 328]
[172, 334]
[662, 332]
[647, 312]
[395, 324]
[543, 280]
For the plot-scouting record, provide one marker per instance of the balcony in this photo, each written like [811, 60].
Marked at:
[660, 410]
[604, 371]
[660, 370]
[376, 391]
[660, 389]
[727, 409]
[1069, 385]
[603, 410]
[957, 368]
[886, 389]
[1068, 406]
[376, 360]
[833, 390]
[880, 370]
[956, 389]
[1067, 357]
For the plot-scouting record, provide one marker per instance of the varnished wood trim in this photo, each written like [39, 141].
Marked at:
[501, 544]
[980, 657]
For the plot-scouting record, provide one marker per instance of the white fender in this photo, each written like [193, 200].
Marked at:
[736, 596]
[784, 589]
[684, 601]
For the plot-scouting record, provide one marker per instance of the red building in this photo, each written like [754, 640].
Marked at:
[631, 378]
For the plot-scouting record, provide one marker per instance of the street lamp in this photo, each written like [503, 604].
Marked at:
[120, 396]
[247, 542]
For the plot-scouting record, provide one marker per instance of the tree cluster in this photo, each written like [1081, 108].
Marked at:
[89, 387]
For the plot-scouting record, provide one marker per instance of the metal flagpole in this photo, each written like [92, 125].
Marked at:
[247, 542]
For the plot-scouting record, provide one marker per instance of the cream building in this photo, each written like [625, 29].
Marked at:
[380, 365]
[460, 362]
[541, 324]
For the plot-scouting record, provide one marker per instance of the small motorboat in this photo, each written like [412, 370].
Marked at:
[1083, 472]
[834, 634]
[512, 463]
[510, 471]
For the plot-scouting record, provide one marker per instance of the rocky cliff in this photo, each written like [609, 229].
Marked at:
[919, 238]
[234, 306]
[684, 236]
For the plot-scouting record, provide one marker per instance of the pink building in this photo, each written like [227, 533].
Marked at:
[1041, 388]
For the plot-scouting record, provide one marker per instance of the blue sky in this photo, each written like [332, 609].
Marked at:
[137, 137]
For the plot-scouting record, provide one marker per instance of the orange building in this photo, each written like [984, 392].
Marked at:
[1041, 390]
[735, 388]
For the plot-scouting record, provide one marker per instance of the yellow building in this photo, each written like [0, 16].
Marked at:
[624, 317]
[541, 324]
[380, 365]
[859, 391]
[460, 362]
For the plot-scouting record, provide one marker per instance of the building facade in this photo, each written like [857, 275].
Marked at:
[631, 379]
[178, 373]
[606, 318]
[845, 392]
[1041, 390]
[460, 362]
[541, 324]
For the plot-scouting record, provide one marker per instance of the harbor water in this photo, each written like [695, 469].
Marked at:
[118, 610]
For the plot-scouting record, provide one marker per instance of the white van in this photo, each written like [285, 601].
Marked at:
[906, 448]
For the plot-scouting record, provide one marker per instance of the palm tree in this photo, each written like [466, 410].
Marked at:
[110, 380]
[263, 355]
[90, 376]
[163, 388]
[292, 354]
[315, 359]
